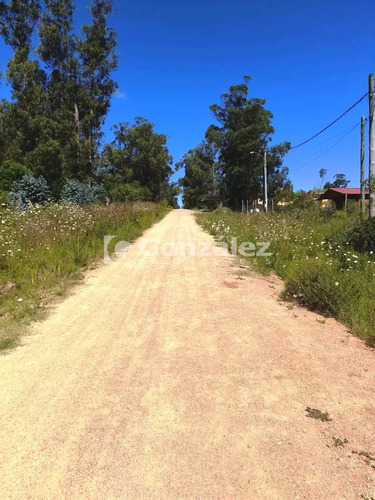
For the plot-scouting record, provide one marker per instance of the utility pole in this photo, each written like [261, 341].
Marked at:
[371, 145]
[265, 199]
[265, 186]
[363, 196]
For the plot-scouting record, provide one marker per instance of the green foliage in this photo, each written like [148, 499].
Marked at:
[30, 190]
[327, 261]
[53, 123]
[199, 182]
[229, 162]
[82, 194]
[4, 198]
[10, 172]
[362, 236]
[96, 52]
[210, 201]
[340, 182]
[60, 98]
[138, 157]
[131, 191]
[245, 129]
[43, 252]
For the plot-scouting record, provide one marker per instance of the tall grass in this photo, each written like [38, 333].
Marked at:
[312, 251]
[44, 250]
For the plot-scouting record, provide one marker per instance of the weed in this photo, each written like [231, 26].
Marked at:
[339, 443]
[43, 251]
[311, 250]
[317, 414]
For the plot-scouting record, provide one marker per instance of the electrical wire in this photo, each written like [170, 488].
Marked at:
[317, 149]
[314, 148]
[328, 149]
[332, 123]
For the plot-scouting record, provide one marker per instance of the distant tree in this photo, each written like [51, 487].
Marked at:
[199, 180]
[245, 127]
[138, 155]
[322, 174]
[340, 182]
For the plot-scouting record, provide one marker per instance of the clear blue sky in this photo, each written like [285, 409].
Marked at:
[309, 60]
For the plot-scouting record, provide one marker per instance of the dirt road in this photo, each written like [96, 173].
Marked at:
[169, 378]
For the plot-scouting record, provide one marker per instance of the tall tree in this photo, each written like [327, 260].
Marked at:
[98, 60]
[201, 175]
[139, 155]
[57, 49]
[21, 126]
[53, 123]
[322, 174]
[244, 128]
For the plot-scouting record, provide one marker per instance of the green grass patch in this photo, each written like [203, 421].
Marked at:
[313, 251]
[45, 250]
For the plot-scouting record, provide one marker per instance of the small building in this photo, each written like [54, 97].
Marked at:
[342, 195]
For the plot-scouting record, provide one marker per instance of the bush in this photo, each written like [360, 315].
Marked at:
[210, 201]
[98, 193]
[30, 190]
[11, 171]
[76, 192]
[81, 194]
[362, 236]
[4, 198]
[129, 192]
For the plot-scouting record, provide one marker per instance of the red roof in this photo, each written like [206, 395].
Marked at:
[347, 190]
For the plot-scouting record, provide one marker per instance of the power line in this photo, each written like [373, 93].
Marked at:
[318, 148]
[314, 148]
[326, 151]
[332, 123]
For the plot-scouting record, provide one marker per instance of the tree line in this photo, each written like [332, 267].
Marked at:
[61, 92]
[227, 167]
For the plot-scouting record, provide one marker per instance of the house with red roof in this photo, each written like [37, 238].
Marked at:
[341, 196]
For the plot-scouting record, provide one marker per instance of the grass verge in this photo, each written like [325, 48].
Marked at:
[45, 250]
[312, 251]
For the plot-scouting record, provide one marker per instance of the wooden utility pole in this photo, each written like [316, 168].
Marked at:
[371, 179]
[265, 178]
[363, 196]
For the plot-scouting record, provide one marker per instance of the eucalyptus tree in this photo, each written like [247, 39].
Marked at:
[140, 155]
[244, 129]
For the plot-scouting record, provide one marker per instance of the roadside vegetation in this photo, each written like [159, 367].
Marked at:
[326, 258]
[45, 249]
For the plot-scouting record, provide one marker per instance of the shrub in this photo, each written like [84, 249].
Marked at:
[30, 190]
[362, 236]
[130, 192]
[4, 198]
[11, 171]
[98, 193]
[210, 201]
[76, 192]
[81, 194]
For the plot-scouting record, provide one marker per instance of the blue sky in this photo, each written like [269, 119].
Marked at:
[309, 60]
